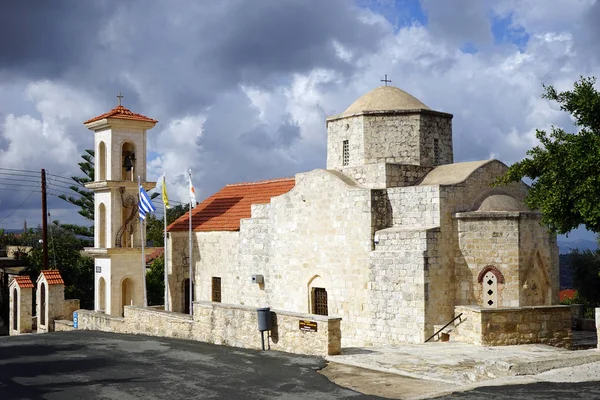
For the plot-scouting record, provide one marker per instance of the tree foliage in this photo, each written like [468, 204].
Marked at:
[565, 167]
[155, 282]
[65, 254]
[85, 201]
[155, 226]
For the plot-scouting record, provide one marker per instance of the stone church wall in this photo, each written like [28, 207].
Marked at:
[317, 235]
[398, 286]
[538, 263]
[488, 239]
[455, 198]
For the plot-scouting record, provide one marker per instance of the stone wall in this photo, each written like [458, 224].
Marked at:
[224, 324]
[237, 326]
[549, 325]
[62, 325]
[385, 175]
[398, 286]
[214, 254]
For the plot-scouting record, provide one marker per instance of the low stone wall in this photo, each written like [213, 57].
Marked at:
[236, 325]
[225, 324]
[62, 325]
[138, 320]
[510, 326]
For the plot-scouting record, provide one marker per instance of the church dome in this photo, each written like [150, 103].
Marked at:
[385, 98]
[501, 202]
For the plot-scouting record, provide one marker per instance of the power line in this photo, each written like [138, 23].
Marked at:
[16, 184]
[20, 170]
[23, 175]
[18, 180]
[18, 207]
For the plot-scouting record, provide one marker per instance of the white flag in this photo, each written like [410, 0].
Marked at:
[192, 192]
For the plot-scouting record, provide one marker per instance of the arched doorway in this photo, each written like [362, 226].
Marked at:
[186, 295]
[101, 294]
[126, 293]
[15, 309]
[42, 315]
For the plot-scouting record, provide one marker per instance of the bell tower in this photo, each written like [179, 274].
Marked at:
[120, 157]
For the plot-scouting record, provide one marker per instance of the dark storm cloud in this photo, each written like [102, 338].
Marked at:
[186, 53]
[45, 38]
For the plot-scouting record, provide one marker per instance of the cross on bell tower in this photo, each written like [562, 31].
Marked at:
[120, 97]
[386, 80]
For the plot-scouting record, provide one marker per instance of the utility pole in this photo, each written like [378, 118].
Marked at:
[44, 221]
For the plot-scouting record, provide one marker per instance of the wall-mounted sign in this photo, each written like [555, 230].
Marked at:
[98, 269]
[308, 326]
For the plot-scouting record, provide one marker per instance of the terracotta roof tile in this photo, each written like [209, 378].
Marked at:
[120, 112]
[567, 294]
[223, 210]
[159, 251]
[24, 282]
[53, 277]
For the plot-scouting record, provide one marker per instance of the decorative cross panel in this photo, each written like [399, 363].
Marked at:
[490, 290]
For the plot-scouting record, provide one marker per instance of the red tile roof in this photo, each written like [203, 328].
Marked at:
[159, 251]
[23, 282]
[223, 210]
[120, 112]
[567, 294]
[53, 277]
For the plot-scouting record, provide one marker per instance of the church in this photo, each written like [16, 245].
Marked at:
[392, 237]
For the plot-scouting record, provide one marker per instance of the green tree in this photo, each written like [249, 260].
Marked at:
[65, 254]
[565, 167]
[85, 201]
[155, 226]
[155, 282]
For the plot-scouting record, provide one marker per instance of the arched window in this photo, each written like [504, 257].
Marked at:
[490, 277]
[42, 315]
[128, 162]
[102, 226]
[317, 291]
[101, 160]
[15, 309]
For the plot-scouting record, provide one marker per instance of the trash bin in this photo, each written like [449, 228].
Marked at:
[264, 319]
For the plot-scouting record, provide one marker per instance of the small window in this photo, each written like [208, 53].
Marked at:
[216, 289]
[346, 153]
[320, 301]
[436, 152]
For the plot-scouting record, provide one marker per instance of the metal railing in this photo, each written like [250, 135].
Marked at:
[444, 327]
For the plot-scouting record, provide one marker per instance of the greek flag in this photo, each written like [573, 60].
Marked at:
[146, 205]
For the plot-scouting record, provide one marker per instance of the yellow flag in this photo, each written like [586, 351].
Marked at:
[165, 198]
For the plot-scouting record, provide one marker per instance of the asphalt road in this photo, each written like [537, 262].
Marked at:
[96, 365]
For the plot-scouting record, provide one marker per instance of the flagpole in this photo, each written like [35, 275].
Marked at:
[191, 269]
[143, 246]
[166, 258]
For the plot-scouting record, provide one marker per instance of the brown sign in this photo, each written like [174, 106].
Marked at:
[308, 326]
